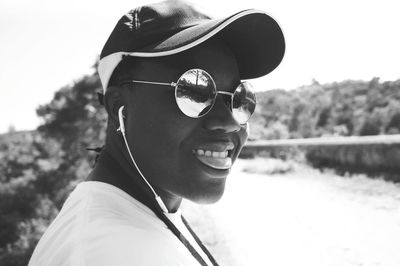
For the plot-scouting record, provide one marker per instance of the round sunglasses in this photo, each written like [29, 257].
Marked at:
[196, 93]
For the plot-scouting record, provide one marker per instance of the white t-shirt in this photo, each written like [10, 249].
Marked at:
[100, 224]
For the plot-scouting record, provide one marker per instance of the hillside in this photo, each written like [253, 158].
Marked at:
[341, 108]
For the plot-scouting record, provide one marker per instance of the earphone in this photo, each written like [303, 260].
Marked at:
[164, 209]
[122, 130]
[121, 120]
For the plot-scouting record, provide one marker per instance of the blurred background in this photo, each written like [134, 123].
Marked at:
[318, 182]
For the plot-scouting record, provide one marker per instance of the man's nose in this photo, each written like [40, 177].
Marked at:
[220, 117]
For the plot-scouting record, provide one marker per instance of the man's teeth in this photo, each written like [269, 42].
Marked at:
[215, 154]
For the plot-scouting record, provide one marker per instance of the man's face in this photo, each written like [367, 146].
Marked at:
[173, 150]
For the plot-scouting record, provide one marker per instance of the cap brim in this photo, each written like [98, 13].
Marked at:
[255, 38]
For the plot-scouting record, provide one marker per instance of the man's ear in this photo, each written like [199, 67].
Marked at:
[113, 100]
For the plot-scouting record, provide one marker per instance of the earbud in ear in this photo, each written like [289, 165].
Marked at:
[121, 120]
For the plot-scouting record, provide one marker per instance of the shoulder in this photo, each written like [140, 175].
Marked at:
[127, 246]
[118, 230]
[101, 227]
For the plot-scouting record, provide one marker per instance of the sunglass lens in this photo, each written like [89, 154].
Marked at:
[244, 102]
[195, 93]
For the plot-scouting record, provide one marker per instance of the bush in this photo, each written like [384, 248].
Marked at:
[373, 160]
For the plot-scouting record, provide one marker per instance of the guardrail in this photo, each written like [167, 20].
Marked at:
[326, 141]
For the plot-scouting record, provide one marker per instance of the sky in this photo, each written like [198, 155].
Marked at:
[45, 45]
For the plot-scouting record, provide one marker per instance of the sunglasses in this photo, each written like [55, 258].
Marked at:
[196, 93]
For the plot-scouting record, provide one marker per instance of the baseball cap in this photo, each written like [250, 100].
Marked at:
[174, 26]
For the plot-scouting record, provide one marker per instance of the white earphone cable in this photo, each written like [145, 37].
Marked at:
[170, 225]
[122, 129]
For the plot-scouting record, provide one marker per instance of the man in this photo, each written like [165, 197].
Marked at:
[178, 114]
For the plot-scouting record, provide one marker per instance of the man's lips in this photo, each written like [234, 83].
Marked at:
[215, 155]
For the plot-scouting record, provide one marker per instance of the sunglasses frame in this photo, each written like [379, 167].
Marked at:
[175, 85]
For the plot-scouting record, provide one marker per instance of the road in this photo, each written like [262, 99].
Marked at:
[301, 217]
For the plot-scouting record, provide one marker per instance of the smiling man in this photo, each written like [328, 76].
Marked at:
[178, 109]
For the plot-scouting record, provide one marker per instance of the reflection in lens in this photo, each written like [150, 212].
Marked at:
[243, 102]
[195, 92]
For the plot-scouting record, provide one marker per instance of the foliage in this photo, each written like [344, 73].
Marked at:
[27, 165]
[380, 160]
[337, 109]
[39, 168]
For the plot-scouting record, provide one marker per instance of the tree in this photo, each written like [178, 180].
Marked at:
[38, 169]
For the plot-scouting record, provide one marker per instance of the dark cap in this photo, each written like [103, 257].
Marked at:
[173, 26]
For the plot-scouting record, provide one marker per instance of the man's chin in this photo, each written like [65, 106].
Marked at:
[208, 198]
